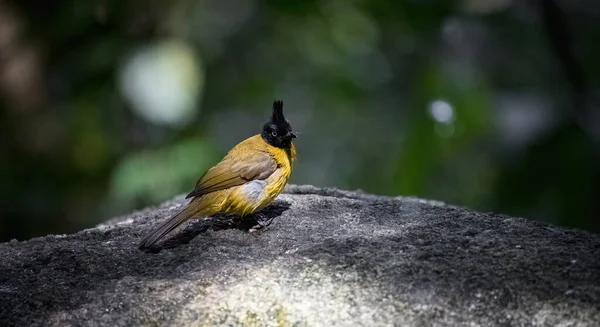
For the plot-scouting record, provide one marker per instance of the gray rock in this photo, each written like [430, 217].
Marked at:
[331, 258]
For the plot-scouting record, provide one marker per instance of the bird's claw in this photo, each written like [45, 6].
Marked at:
[261, 222]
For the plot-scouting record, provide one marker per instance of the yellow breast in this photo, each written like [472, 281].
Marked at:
[276, 182]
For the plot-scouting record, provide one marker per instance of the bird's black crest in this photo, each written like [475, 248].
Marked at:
[277, 111]
[278, 131]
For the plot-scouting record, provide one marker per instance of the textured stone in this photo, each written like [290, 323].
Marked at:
[330, 258]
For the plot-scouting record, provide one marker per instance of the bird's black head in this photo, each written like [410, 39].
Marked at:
[278, 131]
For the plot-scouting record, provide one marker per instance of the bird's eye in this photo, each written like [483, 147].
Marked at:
[274, 133]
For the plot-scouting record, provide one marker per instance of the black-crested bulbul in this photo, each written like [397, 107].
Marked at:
[246, 180]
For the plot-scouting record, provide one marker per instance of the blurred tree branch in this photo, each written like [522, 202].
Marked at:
[560, 37]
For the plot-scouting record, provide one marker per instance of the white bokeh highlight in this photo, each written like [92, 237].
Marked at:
[163, 83]
[441, 111]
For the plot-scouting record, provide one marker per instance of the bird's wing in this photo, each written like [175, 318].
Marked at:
[235, 170]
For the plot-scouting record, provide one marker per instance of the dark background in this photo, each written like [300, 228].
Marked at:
[108, 106]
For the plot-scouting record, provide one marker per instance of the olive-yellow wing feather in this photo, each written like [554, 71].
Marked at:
[235, 169]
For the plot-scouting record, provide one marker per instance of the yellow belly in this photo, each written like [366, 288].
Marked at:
[255, 195]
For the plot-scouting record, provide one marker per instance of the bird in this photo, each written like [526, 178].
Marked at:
[250, 176]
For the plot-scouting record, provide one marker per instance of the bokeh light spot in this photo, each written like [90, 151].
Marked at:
[441, 111]
[163, 83]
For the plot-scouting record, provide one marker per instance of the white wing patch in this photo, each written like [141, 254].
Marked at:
[254, 189]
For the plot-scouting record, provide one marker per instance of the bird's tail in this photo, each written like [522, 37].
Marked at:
[169, 225]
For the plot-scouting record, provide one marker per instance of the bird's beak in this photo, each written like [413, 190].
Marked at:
[293, 135]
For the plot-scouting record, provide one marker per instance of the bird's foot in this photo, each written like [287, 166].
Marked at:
[261, 222]
[225, 220]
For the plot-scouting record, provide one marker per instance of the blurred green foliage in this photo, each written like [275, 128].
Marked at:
[108, 106]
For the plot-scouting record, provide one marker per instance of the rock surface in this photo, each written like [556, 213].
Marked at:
[330, 258]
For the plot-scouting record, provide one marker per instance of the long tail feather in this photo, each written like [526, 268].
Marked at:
[168, 226]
